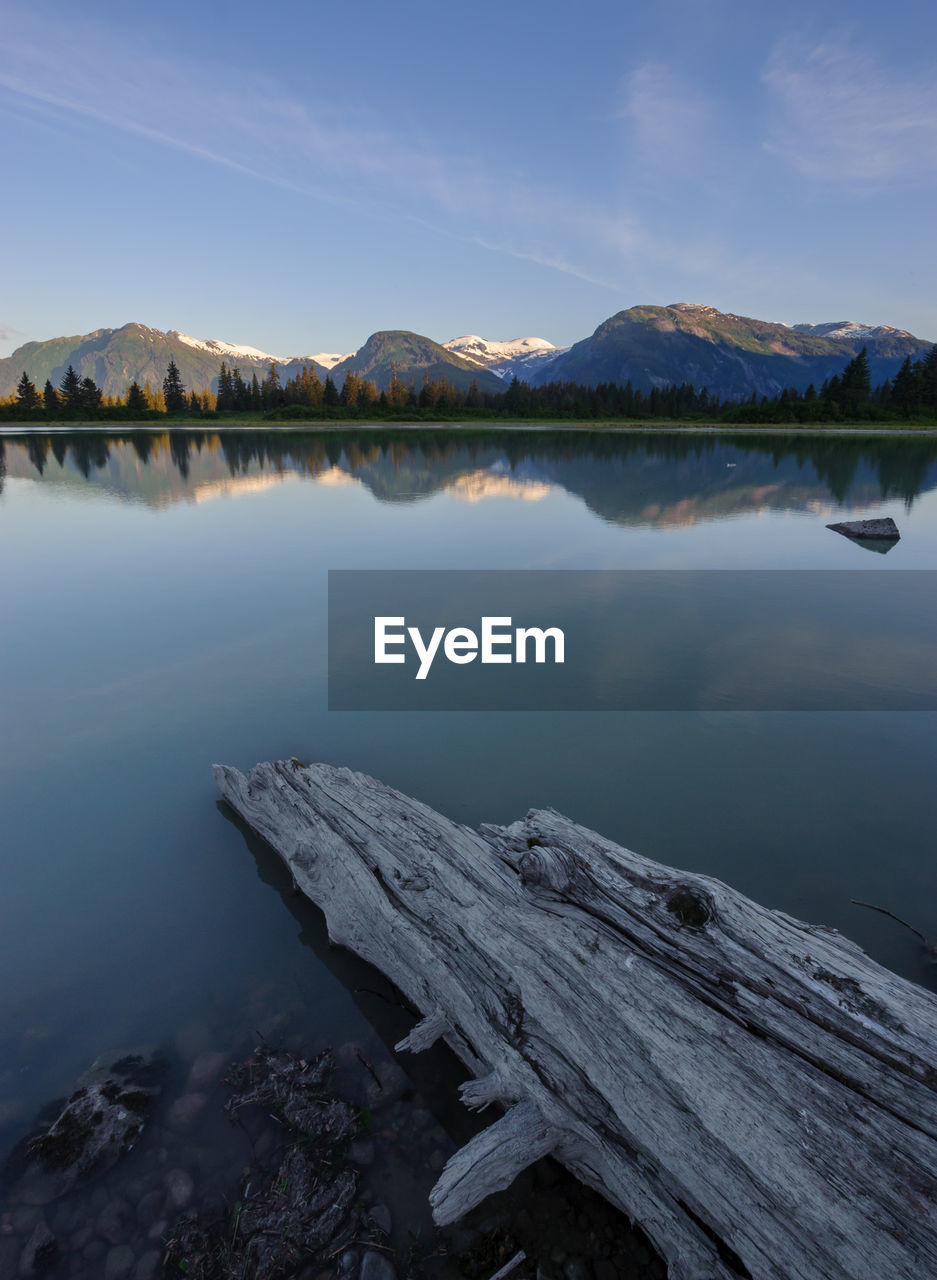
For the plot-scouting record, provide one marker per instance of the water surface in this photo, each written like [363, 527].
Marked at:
[162, 606]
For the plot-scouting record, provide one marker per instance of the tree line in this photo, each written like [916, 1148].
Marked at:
[846, 397]
[77, 397]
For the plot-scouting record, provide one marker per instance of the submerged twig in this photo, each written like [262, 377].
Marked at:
[885, 912]
[509, 1266]
[364, 1062]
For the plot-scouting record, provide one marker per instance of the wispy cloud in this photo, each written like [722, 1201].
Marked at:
[840, 115]
[669, 119]
[248, 124]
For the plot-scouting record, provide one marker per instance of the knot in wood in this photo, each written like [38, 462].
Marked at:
[547, 868]
[692, 907]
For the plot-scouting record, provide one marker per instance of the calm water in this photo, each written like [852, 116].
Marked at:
[162, 607]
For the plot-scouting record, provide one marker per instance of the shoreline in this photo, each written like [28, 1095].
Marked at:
[313, 427]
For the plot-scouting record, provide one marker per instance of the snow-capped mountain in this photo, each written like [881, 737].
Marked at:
[851, 329]
[516, 357]
[225, 350]
[229, 350]
[483, 351]
[330, 360]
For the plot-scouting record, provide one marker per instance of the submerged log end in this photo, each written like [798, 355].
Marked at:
[491, 1161]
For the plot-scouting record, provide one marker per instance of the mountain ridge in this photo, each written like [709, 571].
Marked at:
[652, 346]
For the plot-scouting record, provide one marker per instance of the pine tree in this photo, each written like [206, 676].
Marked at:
[329, 393]
[225, 389]
[928, 379]
[71, 390]
[26, 394]
[136, 400]
[173, 390]
[271, 387]
[855, 386]
[242, 393]
[90, 396]
[50, 397]
[904, 389]
[351, 390]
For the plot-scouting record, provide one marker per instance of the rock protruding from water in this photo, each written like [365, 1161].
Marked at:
[884, 529]
[102, 1118]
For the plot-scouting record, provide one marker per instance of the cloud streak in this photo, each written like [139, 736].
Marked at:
[838, 115]
[247, 125]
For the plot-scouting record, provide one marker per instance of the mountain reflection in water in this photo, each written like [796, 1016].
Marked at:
[663, 480]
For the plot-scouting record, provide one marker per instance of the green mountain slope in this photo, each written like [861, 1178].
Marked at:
[413, 355]
[733, 356]
[116, 357]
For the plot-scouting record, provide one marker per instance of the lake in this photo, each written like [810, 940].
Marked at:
[163, 607]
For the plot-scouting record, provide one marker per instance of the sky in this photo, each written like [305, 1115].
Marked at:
[297, 176]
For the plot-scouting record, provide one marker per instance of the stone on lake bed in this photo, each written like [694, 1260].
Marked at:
[179, 1188]
[380, 1216]
[149, 1266]
[185, 1111]
[112, 1221]
[101, 1119]
[207, 1069]
[41, 1251]
[881, 528]
[375, 1266]
[119, 1263]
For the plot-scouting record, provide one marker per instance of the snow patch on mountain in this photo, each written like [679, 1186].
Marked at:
[229, 350]
[219, 348]
[851, 329]
[484, 352]
[328, 361]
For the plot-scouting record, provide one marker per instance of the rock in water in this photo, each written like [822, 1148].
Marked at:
[102, 1119]
[863, 529]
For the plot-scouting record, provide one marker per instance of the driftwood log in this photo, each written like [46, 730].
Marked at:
[753, 1090]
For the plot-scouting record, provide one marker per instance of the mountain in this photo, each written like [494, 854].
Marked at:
[413, 356]
[116, 357]
[518, 357]
[734, 356]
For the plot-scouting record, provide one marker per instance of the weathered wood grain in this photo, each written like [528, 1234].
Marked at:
[753, 1090]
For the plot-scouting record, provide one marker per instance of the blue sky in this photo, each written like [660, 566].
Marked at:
[296, 176]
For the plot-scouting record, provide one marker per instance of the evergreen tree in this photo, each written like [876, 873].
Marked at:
[928, 379]
[242, 392]
[855, 385]
[173, 390]
[71, 390]
[225, 389]
[904, 389]
[351, 389]
[26, 394]
[50, 397]
[270, 390]
[90, 396]
[329, 393]
[136, 400]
